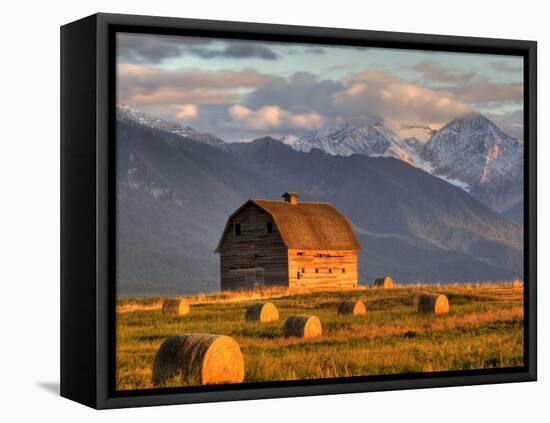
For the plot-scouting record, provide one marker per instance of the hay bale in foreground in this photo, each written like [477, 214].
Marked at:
[199, 359]
[355, 308]
[303, 326]
[433, 303]
[384, 282]
[175, 306]
[414, 297]
[263, 312]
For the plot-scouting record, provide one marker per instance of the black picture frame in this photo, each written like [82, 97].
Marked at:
[88, 244]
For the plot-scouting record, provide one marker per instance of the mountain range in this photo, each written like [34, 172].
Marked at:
[175, 193]
[129, 115]
[470, 152]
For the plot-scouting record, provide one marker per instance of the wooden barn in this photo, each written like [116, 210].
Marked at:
[288, 243]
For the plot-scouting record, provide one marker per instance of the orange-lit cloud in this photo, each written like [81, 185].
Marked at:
[168, 96]
[236, 102]
[381, 93]
[273, 117]
[436, 72]
[148, 85]
[471, 87]
[187, 111]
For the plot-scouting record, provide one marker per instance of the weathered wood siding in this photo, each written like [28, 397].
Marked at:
[322, 268]
[242, 255]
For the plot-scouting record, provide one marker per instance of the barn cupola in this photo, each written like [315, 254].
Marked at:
[291, 197]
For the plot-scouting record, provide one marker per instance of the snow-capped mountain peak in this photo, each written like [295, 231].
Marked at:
[129, 115]
[296, 143]
[470, 152]
[417, 134]
[368, 135]
[473, 150]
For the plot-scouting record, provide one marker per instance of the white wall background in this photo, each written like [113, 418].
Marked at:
[29, 178]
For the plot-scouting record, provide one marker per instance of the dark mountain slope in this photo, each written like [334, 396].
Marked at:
[515, 213]
[420, 215]
[173, 198]
[383, 195]
[175, 195]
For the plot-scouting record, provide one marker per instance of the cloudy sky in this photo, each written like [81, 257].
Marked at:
[240, 90]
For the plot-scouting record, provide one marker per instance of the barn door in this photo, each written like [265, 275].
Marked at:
[254, 277]
[249, 278]
[259, 276]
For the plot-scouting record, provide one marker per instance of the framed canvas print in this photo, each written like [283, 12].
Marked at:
[255, 211]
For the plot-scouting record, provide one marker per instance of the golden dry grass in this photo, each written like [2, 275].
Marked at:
[483, 329]
[127, 305]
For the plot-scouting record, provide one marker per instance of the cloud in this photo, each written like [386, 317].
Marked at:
[235, 50]
[300, 92]
[274, 117]
[154, 49]
[152, 77]
[510, 122]
[470, 87]
[187, 111]
[378, 92]
[168, 96]
[315, 49]
[376, 75]
[247, 103]
[481, 90]
[502, 66]
[435, 72]
[141, 84]
[373, 91]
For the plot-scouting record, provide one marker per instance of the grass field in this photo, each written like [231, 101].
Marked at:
[484, 329]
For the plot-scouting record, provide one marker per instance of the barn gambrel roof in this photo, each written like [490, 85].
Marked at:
[305, 225]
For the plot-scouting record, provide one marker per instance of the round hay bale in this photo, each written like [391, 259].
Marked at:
[303, 326]
[355, 308]
[433, 303]
[263, 312]
[384, 282]
[414, 297]
[198, 359]
[175, 306]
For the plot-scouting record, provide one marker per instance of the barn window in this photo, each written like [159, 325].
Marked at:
[316, 270]
[237, 228]
[269, 227]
